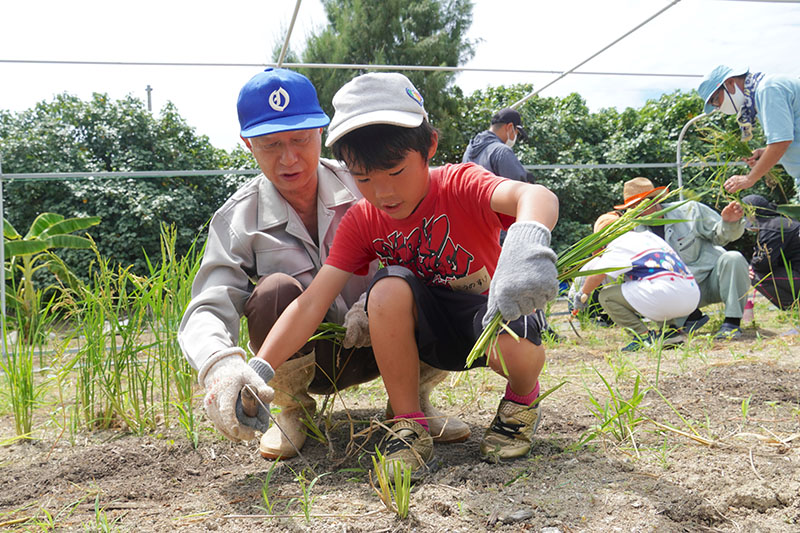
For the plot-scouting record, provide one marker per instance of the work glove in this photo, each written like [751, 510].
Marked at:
[579, 301]
[526, 277]
[357, 324]
[224, 380]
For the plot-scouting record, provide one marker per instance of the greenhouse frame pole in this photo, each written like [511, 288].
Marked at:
[678, 159]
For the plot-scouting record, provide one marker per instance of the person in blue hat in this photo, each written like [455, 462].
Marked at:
[775, 101]
[265, 245]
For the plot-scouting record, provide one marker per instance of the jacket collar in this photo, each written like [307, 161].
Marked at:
[273, 209]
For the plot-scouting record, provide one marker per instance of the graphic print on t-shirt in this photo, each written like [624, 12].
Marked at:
[430, 253]
[652, 263]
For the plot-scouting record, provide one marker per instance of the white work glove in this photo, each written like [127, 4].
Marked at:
[224, 378]
[526, 277]
[357, 324]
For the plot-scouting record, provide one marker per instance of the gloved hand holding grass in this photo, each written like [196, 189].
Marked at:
[526, 277]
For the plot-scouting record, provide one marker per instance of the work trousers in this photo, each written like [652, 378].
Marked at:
[337, 367]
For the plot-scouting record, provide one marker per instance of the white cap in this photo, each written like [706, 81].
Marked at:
[377, 98]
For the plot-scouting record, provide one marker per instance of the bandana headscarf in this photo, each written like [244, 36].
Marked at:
[747, 115]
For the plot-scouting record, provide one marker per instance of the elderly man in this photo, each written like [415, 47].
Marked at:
[265, 245]
[775, 101]
[698, 239]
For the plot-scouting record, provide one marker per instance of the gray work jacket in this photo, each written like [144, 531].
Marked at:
[254, 234]
[699, 241]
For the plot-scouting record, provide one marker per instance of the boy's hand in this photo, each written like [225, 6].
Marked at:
[526, 277]
[224, 382]
[357, 324]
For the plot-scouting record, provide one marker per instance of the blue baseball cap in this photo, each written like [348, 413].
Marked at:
[714, 81]
[278, 100]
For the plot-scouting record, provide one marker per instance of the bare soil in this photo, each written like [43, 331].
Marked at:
[717, 448]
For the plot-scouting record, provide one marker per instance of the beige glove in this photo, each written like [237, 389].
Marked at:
[357, 324]
[223, 378]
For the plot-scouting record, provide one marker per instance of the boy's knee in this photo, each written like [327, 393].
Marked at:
[388, 293]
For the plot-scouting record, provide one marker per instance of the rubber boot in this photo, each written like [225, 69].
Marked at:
[444, 429]
[291, 395]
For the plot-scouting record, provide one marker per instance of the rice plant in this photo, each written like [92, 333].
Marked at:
[571, 260]
[394, 484]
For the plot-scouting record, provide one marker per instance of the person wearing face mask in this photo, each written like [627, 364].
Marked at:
[493, 148]
[775, 101]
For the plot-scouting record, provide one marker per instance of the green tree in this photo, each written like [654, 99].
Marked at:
[68, 134]
[396, 32]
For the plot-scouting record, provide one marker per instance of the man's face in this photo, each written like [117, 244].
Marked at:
[396, 191]
[719, 95]
[289, 159]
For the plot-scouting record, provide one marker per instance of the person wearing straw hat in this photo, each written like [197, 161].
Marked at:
[265, 246]
[698, 235]
[655, 284]
[775, 264]
[775, 101]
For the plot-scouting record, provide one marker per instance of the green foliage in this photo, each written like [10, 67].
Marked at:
[396, 32]
[68, 134]
[28, 254]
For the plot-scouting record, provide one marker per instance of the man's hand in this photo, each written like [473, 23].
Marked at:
[224, 382]
[739, 182]
[526, 277]
[579, 302]
[357, 324]
[733, 212]
[753, 159]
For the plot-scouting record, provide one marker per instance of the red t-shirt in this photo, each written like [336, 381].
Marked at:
[451, 239]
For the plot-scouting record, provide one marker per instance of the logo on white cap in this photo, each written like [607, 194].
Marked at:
[279, 99]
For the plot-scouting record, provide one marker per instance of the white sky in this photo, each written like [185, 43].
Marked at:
[691, 37]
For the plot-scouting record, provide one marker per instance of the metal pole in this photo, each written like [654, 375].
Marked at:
[288, 35]
[516, 105]
[3, 264]
[149, 101]
[678, 157]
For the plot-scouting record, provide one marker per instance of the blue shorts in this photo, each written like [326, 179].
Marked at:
[449, 322]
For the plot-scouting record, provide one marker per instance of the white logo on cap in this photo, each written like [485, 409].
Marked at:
[276, 97]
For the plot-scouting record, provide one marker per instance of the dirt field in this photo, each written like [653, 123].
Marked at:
[714, 447]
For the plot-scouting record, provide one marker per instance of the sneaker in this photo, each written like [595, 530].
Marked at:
[727, 332]
[511, 433]
[637, 344]
[669, 339]
[693, 325]
[408, 443]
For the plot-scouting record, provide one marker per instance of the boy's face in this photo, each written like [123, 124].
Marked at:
[397, 191]
[288, 159]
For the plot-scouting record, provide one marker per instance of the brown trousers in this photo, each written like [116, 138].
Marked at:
[337, 367]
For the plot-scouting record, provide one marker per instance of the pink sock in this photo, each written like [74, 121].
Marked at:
[418, 417]
[528, 399]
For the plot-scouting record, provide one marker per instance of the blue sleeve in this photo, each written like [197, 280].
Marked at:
[507, 165]
[775, 111]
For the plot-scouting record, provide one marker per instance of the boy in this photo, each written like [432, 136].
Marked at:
[437, 233]
[655, 284]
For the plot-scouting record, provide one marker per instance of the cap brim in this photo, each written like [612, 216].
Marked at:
[390, 117]
[708, 108]
[633, 200]
[288, 123]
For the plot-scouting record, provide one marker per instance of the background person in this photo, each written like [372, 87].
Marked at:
[493, 149]
[775, 101]
[698, 236]
[776, 257]
[265, 245]
[654, 284]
